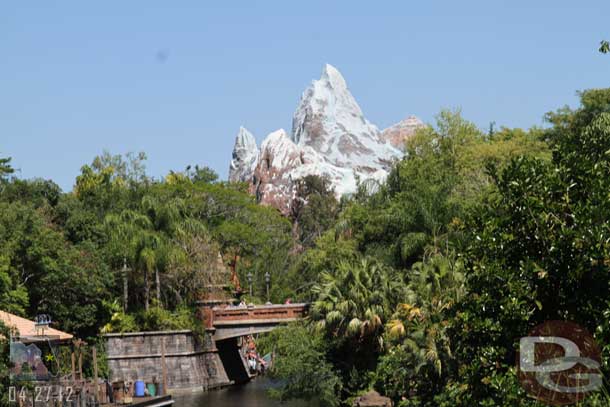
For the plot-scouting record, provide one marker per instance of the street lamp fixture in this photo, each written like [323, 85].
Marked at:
[41, 323]
[125, 285]
[267, 281]
[249, 277]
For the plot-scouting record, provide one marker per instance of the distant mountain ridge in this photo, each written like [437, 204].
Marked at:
[330, 137]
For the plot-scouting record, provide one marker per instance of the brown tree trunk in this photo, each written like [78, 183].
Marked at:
[125, 290]
[146, 291]
[158, 286]
[234, 277]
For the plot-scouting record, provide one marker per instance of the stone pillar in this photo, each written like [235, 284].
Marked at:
[217, 376]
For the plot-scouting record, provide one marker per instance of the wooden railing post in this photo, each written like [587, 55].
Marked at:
[95, 387]
[163, 367]
[80, 365]
[73, 367]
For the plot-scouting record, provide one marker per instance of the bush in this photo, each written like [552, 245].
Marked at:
[160, 319]
[120, 322]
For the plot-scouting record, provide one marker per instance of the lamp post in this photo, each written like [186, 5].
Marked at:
[41, 322]
[267, 281]
[125, 285]
[249, 277]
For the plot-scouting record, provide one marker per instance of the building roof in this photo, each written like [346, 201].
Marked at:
[27, 329]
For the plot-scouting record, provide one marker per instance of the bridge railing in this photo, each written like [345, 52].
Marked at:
[255, 313]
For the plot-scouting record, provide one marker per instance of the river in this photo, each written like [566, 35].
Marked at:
[252, 394]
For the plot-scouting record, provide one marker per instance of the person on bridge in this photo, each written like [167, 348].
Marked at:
[262, 365]
[252, 361]
[251, 344]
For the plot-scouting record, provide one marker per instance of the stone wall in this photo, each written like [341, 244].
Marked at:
[137, 356]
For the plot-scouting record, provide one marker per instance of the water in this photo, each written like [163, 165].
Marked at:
[252, 394]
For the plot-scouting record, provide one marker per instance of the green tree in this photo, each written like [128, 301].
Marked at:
[127, 231]
[5, 168]
[354, 300]
[38, 192]
[352, 304]
[131, 168]
[539, 249]
[64, 280]
[14, 297]
[415, 223]
[174, 230]
[112, 183]
[203, 174]
[5, 365]
[419, 211]
[313, 210]
[301, 366]
[419, 358]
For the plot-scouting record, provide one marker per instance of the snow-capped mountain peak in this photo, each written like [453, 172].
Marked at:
[245, 157]
[329, 120]
[245, 138]
[330, 137]
[278, 150]
[332, 77]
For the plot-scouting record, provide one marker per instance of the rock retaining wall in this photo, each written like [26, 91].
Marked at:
[190, 365]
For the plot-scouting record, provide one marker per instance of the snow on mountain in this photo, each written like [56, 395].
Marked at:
[398, 133]
[329, 120]
[245, 157]
[330, 138]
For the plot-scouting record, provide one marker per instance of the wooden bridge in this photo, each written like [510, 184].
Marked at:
[235, 321]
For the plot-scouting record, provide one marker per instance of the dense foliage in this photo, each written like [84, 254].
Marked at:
[419, 287]
[125, 251]
[486, 235]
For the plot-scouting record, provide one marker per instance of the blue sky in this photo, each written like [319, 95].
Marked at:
[177, 79]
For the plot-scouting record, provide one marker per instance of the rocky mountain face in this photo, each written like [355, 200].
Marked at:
[400, 132]
[273, 175]
[330, 138]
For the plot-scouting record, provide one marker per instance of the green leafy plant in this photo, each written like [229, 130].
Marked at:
[299, 362]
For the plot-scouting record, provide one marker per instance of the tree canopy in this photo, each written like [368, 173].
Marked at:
[420, 286]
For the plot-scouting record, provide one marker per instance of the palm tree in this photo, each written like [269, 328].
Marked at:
[354, 300]
[163, 215]
[419, 326]
[165, 247]
[436, 284]
[152, 240]
[150, 246]
[125, 231]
